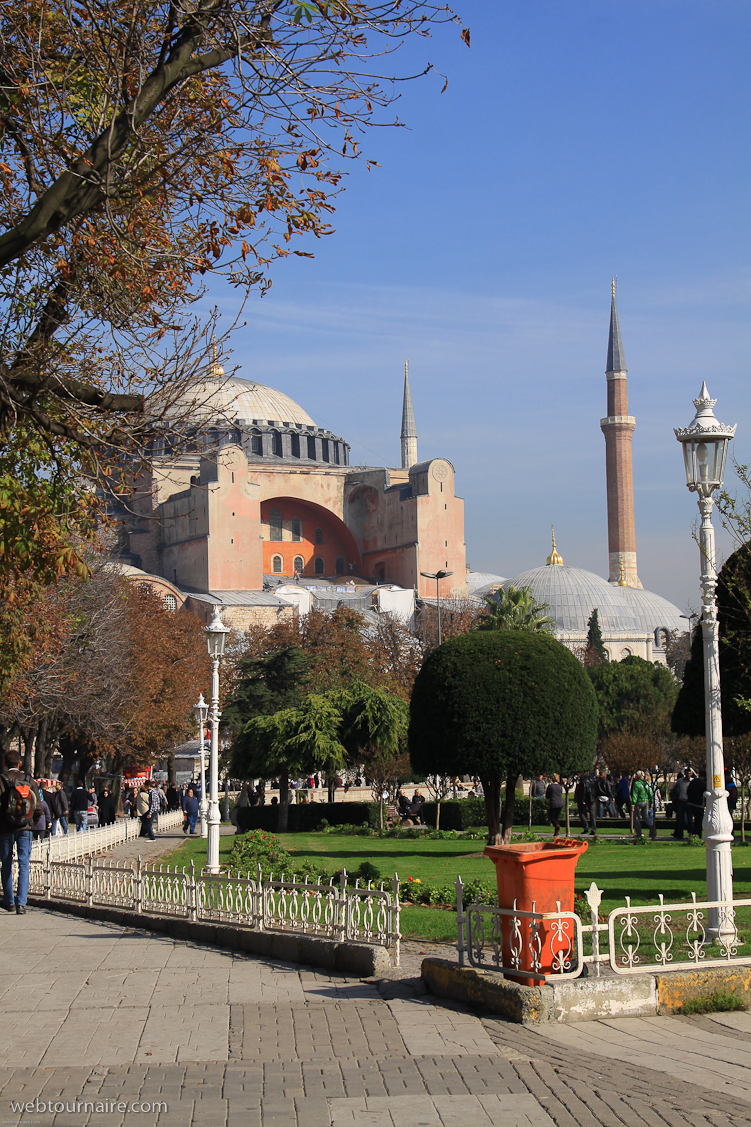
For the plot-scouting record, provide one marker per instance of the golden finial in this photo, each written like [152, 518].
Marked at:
[612, 288]
[216, 368]
[622, 575]
[553, 559]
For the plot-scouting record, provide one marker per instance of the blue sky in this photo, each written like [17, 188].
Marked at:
[574, 141]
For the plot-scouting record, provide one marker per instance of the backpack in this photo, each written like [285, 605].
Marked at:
[18, 803]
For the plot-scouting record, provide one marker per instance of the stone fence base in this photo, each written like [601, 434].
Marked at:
[582, 999]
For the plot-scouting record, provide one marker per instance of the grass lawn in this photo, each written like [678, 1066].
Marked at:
[620, 870]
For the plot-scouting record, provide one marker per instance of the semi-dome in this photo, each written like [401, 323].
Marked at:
[652, 612]
[229, 398]
[572, 594]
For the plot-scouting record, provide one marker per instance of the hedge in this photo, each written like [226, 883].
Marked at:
[304, 817]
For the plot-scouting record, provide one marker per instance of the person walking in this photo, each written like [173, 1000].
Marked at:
[155, 808]
[623, 796]
[679, 798]
[20, 807]
[554, 796]
[62, 802]
[79, 805]
[143, 806]
[640, 799]
[106, 809]
[580, 798]
[190, 807]
[173, 798]
[695, 802]
[41, 827]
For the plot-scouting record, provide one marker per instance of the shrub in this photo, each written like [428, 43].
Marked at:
[303, 817]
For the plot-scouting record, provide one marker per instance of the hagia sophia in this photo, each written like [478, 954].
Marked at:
[276, 521]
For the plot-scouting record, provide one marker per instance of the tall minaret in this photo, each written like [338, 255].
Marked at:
[409, 430]
[618, 428]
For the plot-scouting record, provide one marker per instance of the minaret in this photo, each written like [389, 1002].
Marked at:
[409, 430]
[618, 427]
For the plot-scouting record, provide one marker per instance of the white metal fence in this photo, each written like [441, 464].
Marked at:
[553, 946]
[73, 845]
[333, 911]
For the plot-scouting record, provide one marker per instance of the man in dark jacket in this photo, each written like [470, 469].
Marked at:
[190, 806]
[106, 809]
[173, 798]
[12, 835]
[695, 802]
[79, 806]
[679, 798]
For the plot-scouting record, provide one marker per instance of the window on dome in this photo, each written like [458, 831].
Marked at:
[336, 453]
[276, 565]
[276, 443]
[661, 637]
[340, 565]
[325, 449]
[295, 445]
[296, 529]
[320, 567]
[256, 442]
[299, 564]
[311, 448]
[319, 536]
[275, 524]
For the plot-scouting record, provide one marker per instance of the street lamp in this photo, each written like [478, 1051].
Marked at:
[201, 711]
[438, 575]
[705, 449]
[216, 633]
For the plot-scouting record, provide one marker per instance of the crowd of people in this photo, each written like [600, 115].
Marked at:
[598, 795]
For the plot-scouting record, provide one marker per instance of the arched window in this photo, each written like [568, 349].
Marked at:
[320, 567]
[340, 565]
[276, 565]
[626, 652]
[325, 449]
[275, 524]
[170, 602]
[319, 536]
[661, 637]
[296, 530]
[336, 453]
[256, 442]
[295, 445]
[276, 443]
[299, 564]
[311, 448]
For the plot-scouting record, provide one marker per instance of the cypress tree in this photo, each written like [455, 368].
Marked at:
[595, 652]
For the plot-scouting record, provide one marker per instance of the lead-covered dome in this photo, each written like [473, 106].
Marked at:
[572, 594]
[652, 612]
[231, 399]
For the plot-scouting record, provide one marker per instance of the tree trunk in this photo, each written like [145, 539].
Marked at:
[171, 772]
[743, 811]
[7, 735]
[28, 738]
[568, 814]
[283, 816]
[438, 813]
[508, 807]
[491, 785]
[68, 752]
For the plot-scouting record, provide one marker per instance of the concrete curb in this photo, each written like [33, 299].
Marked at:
[583, 999]
[361, 960]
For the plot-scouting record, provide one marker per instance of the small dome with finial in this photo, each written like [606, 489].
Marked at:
[554, 560]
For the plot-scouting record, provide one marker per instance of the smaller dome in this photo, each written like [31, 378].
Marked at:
[652, 612]
[482, 583]
[572, 594]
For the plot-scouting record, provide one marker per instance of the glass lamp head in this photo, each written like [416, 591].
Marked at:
[705, 447]
[201, 711]
[216, 633]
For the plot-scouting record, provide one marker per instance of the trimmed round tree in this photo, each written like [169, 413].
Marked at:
[499, 704]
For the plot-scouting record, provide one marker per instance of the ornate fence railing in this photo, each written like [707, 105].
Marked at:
[73, 845]
[552, 946]
[334, 911]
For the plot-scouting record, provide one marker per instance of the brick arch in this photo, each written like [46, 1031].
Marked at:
[337, 538]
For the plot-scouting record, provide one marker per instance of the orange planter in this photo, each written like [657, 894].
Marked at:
[538, 876]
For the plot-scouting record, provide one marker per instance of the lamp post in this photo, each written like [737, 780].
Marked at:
[200, 711]
[438, 575]
[216, 633]
[705, 449]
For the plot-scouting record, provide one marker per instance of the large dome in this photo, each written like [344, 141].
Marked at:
[652, 611]
[572, 594]
[228, 399]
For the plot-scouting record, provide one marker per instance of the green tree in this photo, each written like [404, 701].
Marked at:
[594, 650]
[734, 615]
[514, 609]
[633, 695]
[498, 704]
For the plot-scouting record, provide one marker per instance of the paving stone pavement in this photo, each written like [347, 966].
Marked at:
[97, 1018]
